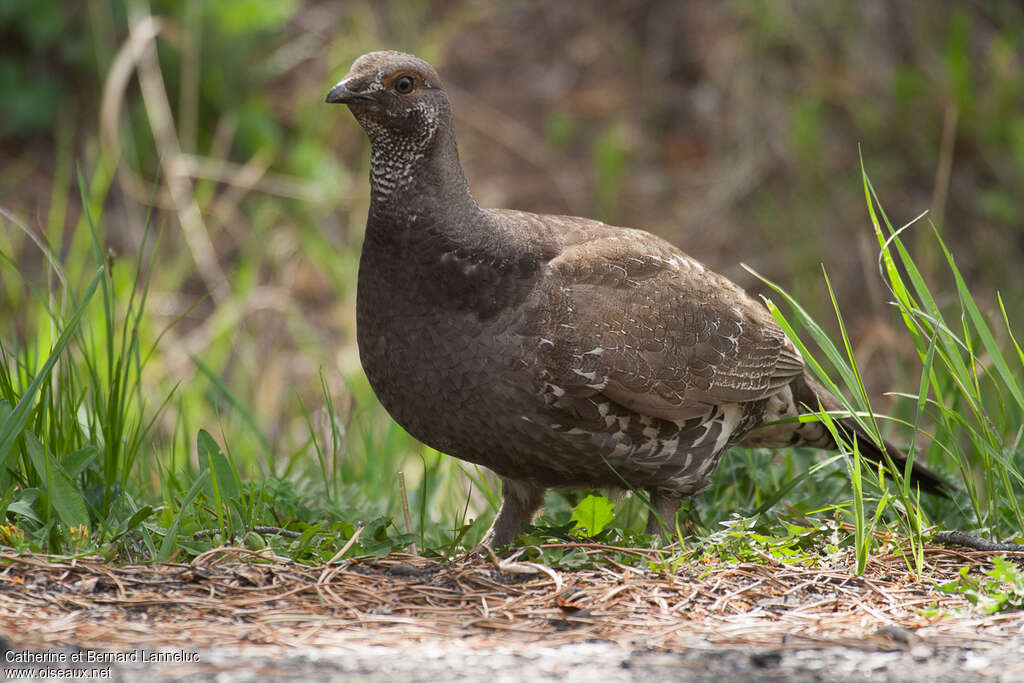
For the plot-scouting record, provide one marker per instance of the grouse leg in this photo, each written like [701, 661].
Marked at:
[666, 508]
[520, 501]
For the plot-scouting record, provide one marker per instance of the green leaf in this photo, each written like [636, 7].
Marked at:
[22, 507]
[224, 481]
[5, 502]
[65, 497]
[76, 463]
[374, 541]
[141, 515]
[593, 514]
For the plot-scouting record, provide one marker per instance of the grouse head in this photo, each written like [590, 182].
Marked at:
[400, 102]
[397, 98]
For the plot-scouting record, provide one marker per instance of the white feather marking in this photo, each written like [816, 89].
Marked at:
[555, 389]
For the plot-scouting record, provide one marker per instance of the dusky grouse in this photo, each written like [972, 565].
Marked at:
[557, 351]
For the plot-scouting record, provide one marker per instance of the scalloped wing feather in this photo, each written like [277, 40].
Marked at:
[628, 315]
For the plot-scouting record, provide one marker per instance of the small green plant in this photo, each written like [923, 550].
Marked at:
[593, 514]
[1000, 590]
[755, 539]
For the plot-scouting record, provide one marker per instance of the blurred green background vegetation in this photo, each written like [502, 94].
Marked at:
[731, 128]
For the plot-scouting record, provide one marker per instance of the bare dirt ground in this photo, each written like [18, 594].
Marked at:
[235, 615]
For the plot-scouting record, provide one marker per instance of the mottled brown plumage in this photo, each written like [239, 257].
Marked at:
[557, 351]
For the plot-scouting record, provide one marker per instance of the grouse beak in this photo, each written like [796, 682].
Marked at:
[340, 94]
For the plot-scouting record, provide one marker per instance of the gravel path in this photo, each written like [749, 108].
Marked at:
[583, 663]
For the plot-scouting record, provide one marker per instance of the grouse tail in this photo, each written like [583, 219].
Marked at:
[808, 394]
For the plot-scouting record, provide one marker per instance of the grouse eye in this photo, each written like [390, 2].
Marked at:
[404, 85]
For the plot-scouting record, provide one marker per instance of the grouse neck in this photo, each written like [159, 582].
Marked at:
[409, 181]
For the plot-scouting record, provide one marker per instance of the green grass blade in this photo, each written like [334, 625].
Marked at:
[1009, 330]
[15, 423]
[167, 546]
[237, 403]
[981, 327]
[100, 256]
[817, 333]
[854, 371]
